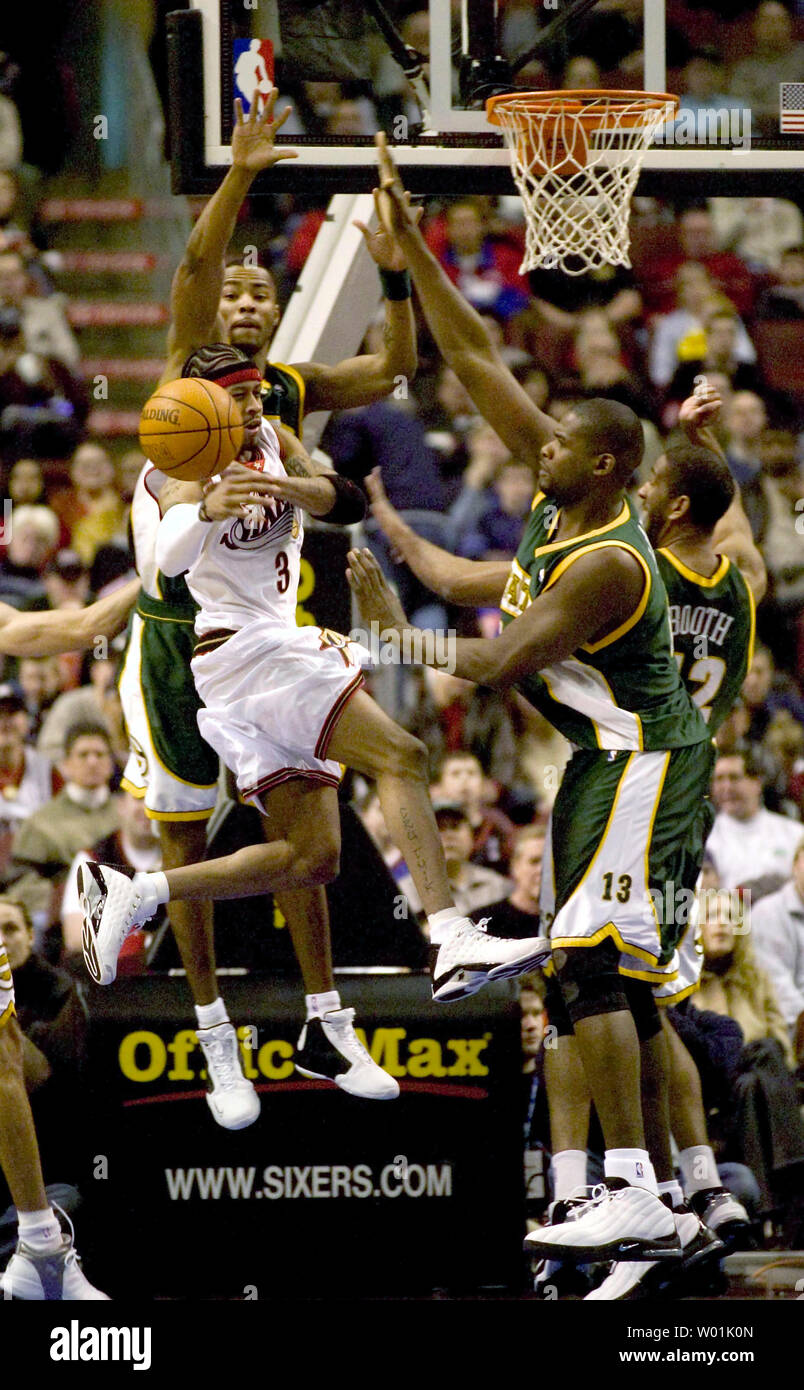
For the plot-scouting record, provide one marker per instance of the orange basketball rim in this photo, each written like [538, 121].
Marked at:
[576, 157]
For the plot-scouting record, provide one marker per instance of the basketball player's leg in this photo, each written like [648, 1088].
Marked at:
[699, 1245]
[185, 842]
[306, 853]
[44, 1265]
[654, 1071]
[716, 1206]
[328, 1048]
[282, 863]
[369, 741]
[308, 812]
[464, 957]
[176, 773]
[19, 1151]
[569, 1103]
[232, 1099]
[603, 910]
[304, 742]
[686, 1097]
[569, 1099]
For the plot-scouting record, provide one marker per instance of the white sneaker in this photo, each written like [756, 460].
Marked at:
[37, 1278]
[329, 1050]
[471, 956]
[113, 905]
[231, 1098]
[629, 1281]
[618, 1222]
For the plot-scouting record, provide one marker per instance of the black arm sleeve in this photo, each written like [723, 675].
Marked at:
[350, 501]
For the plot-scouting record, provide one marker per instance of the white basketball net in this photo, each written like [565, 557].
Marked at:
[577, 219]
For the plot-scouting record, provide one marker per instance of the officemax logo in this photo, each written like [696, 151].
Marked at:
[76, 1343]
[144, 1056]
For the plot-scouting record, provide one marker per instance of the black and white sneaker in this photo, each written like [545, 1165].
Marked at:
[329, 1050]
[471, 956]
[618, 1221]
[634, 1280]
[724, 1215]
[113, 904]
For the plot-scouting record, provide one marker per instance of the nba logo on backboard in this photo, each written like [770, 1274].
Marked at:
[253, 69]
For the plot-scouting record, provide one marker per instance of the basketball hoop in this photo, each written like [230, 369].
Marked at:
[576, 158]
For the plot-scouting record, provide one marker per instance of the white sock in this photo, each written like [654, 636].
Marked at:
[441, 923]
[209, 1015]
[698, 1168]
[40, 1230]
[568, 1172]
[633, 1165]
[320, 1004]
[154, 883]
[674, 1190]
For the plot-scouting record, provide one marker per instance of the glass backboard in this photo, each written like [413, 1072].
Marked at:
[349, 68]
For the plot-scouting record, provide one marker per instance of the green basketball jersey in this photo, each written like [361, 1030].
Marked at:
[712, 622]
[283, 396]
[624, 691]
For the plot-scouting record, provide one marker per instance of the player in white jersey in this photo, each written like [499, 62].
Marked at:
[283, 706]
[170, 764]
[45, 1264]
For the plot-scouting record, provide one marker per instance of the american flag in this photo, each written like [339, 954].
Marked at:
[791, 107]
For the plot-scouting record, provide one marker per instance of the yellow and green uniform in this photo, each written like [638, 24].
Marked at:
[713, 621]
[624, 691]
[631, 814]
[283, 396]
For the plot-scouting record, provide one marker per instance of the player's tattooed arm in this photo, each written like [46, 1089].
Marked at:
[298, 463]
[175, 491]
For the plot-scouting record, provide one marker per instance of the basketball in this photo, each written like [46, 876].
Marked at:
[191, 429]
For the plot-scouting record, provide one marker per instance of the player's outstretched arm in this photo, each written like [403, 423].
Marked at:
[361, 380]
[459, 331]
[732, 534]
[466, 583]
[67, 629]
[198, 281]
[320, 491]
[593, 596]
